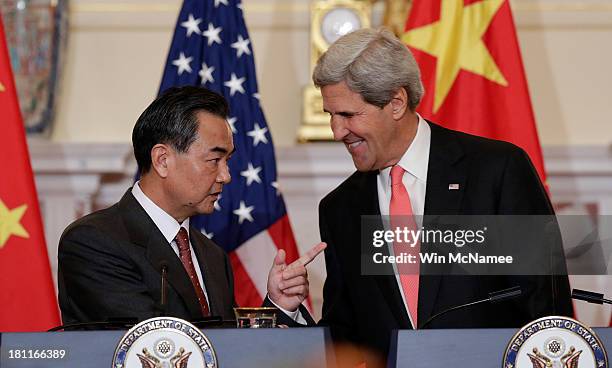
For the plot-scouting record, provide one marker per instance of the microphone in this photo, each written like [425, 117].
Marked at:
[164, 288]
[494, 297]
[589, 296]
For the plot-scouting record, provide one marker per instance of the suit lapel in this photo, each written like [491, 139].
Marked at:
[387, 283]
[446, 174]
[446, 182]
[143, 232]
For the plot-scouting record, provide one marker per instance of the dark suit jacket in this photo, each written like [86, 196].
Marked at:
[495, 178]
[110, 267]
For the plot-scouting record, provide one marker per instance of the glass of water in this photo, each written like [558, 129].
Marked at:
[255, 317]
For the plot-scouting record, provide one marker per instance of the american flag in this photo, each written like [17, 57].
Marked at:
[211, 48]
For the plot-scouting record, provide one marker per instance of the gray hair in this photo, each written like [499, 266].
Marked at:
[373, 63]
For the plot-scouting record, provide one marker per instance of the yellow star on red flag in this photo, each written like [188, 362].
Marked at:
[456, 41]
[10, 222]
[2, 89]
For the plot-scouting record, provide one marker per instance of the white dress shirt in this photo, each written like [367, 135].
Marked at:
[169, 227]
[415, 162]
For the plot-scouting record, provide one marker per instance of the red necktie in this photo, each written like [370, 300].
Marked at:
[400, 210]
[182, 240]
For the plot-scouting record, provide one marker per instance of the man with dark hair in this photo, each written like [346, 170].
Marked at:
[111, 261]
[409, 167]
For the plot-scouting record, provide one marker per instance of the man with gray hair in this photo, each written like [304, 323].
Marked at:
[408, 166]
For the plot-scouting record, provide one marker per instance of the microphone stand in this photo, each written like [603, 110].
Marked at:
[494, 297]
[589, 296]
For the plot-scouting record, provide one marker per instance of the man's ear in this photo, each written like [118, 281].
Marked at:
[161, 157]
[399, 103]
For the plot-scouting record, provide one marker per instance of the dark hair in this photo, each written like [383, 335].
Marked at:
[171, 119]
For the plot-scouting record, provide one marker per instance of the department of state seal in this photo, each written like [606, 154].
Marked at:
[555, 342]
[164, 342]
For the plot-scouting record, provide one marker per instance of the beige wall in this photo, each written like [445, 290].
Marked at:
[567, 51]
[117, 50]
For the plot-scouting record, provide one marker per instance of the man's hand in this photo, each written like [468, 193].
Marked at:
[288, 284]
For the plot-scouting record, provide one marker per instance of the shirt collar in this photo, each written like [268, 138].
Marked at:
[168, 226]
[415, 159]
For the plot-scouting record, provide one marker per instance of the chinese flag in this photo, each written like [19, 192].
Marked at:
[472, 71]
[27, 296]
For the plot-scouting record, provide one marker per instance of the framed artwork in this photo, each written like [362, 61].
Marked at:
[36, 36]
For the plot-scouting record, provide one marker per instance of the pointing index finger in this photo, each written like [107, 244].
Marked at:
[310, 255]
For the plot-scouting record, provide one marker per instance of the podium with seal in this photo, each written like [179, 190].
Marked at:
[266, 347]
[555, 342]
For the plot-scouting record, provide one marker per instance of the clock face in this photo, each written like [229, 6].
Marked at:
[338, 22]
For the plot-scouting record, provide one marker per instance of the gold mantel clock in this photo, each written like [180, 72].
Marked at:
[330, 19]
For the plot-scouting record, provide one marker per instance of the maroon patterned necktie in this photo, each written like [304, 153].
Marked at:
[182, 240]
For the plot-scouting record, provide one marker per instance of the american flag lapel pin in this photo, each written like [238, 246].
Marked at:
[453, 187]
